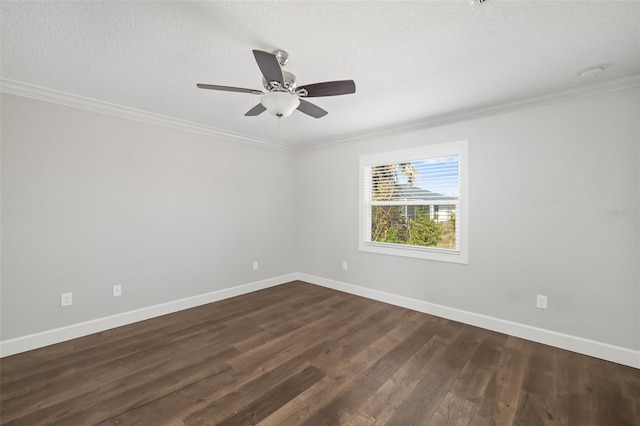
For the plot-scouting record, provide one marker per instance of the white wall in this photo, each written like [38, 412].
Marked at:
[91, 200]
[551, 172]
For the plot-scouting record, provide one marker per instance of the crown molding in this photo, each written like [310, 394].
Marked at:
[475, 113]
[67, 99]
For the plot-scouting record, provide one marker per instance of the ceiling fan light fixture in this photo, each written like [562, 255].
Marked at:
[280, 104]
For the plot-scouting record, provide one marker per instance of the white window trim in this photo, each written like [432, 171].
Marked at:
[461, 255]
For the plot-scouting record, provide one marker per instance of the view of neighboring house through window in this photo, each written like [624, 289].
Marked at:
[413, 202]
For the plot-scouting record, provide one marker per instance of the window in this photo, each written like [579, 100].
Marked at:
[414, 203]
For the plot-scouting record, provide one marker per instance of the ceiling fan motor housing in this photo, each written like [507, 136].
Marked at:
[288, 86]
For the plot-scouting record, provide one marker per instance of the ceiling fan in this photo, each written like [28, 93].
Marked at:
[283, 95]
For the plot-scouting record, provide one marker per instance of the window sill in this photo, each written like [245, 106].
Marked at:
[427, 253]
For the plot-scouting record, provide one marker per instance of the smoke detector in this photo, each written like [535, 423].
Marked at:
[591, 72]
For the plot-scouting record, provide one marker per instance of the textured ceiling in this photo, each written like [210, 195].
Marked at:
[410, 60]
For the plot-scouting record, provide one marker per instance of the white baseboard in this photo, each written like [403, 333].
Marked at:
[592, 348]
[57, 335]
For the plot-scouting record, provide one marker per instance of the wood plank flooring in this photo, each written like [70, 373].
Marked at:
[298, 354]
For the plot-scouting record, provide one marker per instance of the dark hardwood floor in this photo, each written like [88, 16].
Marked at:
[299, 354]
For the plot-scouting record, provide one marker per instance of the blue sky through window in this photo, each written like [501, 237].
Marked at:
[441, 175]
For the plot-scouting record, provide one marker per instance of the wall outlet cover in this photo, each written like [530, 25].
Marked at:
[541, 301]
[66, 299]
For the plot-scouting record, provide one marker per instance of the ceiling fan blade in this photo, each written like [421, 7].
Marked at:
[256, 110]
[229, 89]
[329, 88]
[269, 66]
[311, 109]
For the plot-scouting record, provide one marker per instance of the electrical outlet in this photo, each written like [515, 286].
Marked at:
[117, 290]
[541, 302]
[255, 266]
[345, 265]
[66, 299]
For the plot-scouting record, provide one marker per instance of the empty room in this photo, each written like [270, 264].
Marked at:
[320, 212]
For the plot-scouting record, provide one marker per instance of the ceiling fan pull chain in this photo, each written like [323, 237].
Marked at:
[278, 126]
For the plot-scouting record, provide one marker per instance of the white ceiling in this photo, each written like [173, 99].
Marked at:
[410, 60]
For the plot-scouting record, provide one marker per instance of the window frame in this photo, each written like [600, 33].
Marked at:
[446, 149]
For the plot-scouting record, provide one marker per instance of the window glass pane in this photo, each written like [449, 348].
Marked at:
[426, 179]
[416, 191]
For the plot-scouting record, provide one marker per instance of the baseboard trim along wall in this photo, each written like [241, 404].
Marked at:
[57, 335]
[592, 348]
